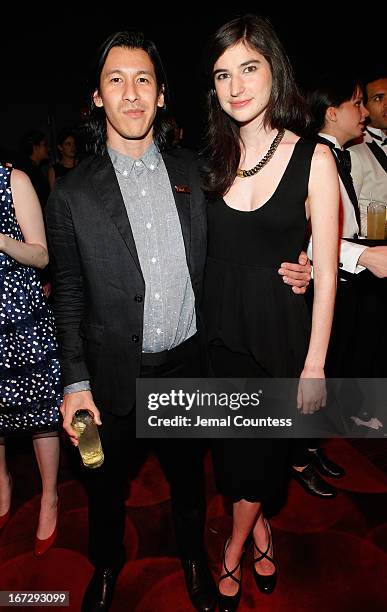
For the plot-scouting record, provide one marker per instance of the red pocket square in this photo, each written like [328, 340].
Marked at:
[183, 189]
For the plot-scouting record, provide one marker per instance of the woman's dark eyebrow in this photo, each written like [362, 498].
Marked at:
[252, 61]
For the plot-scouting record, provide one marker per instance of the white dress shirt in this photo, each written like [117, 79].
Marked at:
[369, 178]
[377, 135]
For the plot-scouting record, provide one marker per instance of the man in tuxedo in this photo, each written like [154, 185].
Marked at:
[369, 158]
[127, 234]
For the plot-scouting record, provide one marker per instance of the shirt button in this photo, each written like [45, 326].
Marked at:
[138, 163]
[152, 167]
[125, 173]
[149, 225]
[138, 298]
[135, 338]
[158, 331]
[157, 296]
[143, 192]
[153, 260]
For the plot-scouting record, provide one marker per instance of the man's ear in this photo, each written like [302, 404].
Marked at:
[97, 99]
[160, 100]
[331, 114]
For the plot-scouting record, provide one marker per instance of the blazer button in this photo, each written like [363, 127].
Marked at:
[138, 298]
[135, 338]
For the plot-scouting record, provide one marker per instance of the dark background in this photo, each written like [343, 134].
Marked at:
[44, 65]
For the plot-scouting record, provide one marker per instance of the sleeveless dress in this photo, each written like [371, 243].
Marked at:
[256, 325]
[30, 387]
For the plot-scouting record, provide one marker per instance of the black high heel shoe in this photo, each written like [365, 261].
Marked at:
[266, 584]
[229, 603]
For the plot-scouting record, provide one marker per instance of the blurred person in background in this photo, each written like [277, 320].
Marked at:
[67, 147]
[34, 153]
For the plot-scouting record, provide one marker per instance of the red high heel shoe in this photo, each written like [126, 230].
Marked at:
[42, 546]
[4, 518]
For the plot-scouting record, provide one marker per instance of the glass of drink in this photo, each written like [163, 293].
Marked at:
[376, 218]
[89, 442]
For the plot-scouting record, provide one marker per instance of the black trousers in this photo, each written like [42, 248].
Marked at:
[181, 461]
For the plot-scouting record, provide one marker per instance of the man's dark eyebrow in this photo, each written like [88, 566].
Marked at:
[122, 71]
[252, 61]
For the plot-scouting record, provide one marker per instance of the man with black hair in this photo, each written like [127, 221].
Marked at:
[369, 158]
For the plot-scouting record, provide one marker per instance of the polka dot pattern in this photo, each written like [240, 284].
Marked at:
[30, 388]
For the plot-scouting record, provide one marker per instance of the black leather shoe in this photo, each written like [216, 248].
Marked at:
[200, 584]
[99, 593]
[313, 483]
[324, 465]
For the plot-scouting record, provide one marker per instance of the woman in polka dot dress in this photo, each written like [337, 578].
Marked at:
[30, 389]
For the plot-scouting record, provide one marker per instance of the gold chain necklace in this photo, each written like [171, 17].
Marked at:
[267, 157]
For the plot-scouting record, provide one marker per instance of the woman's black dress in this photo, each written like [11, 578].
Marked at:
[257, 327]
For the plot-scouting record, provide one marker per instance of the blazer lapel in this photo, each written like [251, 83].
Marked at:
[378, 153]
[348, 184]
[178, 176]
[106, 185]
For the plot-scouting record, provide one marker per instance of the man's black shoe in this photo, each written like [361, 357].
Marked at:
[313, 483]
[324, 465]
[99, 593]
[200, 584]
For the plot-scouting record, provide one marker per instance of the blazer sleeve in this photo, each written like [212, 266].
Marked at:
[68, 290]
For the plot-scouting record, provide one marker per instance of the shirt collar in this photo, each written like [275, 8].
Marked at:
[376, 132]
[331, 139]
[124, 164]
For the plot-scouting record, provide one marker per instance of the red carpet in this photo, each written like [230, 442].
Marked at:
[332, 554]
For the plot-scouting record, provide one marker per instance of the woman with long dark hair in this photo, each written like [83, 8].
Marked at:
[264, 183]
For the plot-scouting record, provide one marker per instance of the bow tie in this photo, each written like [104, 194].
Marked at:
[344, 158]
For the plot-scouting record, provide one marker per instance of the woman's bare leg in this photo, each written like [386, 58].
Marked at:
[47, 456]
[5, 483]
[244, 518]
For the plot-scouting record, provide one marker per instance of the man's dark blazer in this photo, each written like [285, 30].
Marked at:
[98, 284]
